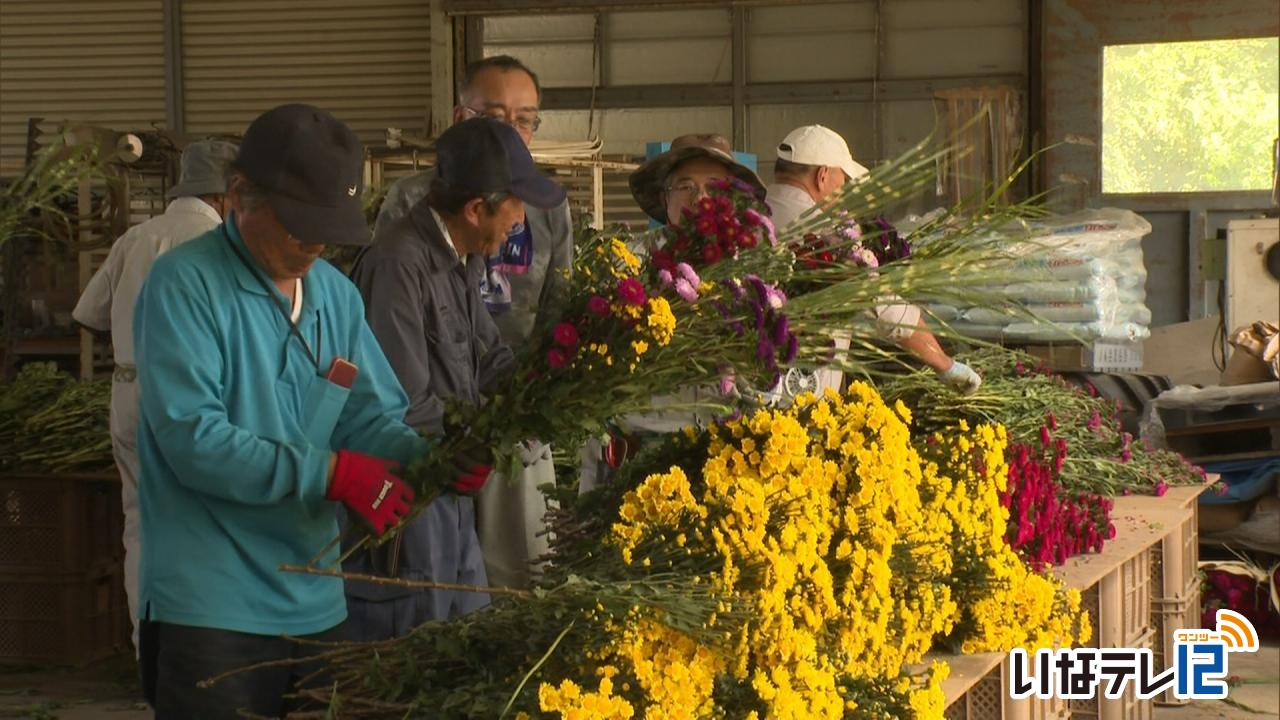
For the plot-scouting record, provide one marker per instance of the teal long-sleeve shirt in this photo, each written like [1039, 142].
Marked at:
[237, 426]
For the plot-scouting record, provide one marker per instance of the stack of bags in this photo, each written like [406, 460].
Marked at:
[1082, 278]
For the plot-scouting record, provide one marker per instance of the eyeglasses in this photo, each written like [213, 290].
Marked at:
[689, 189]
[525, 122]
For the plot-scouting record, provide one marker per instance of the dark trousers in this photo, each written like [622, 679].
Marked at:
[174, 658]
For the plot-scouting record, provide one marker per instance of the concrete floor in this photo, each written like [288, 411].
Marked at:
[109, 691]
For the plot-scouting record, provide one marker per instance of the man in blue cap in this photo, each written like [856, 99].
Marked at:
[265, 401]
[421, 284]
[526, 272]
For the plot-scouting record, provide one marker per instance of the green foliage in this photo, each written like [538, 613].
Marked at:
[1190, 116]
[29, 203]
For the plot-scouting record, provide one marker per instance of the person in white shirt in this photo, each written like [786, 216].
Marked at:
[197, 205]
[814, 162]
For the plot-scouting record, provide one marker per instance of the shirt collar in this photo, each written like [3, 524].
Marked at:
[791, 194]
[444, 232]
[246, 276]
[430, 227]
[193, 205]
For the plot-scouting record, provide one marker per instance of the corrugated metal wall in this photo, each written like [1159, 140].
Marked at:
[920, 40]
[97, 61]
[369, 63]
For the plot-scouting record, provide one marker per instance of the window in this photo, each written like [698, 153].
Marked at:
[1190, 116]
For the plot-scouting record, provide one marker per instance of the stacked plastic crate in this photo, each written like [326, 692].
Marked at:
[61, 570]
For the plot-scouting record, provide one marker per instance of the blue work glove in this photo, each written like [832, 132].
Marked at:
[961, 378]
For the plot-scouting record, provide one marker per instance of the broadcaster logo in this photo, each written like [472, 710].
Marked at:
[1199, 671]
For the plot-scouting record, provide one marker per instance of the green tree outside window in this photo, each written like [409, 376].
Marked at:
[1190, 116]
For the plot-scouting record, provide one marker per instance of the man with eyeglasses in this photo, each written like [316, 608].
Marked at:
[421, 284]
[534, 259]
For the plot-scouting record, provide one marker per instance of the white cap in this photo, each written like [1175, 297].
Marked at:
[818, 145]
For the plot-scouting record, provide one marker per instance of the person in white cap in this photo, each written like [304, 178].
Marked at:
[197, 204]
[814, 162]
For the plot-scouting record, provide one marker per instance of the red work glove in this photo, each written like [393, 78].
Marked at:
[472, 478]
[366, 486]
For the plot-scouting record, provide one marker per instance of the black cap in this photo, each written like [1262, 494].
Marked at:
[484, 156]
[312, 167]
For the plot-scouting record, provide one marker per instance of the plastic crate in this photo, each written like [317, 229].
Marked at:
[1170, 614]
[1127, 707]
[1175, 580]
[989, 699]
[1175, 561]
[1119, 604]
[984, 701]
[59, 524]
[63, 619]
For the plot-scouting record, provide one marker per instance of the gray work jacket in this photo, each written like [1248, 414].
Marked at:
[552, 253]
[423, 304]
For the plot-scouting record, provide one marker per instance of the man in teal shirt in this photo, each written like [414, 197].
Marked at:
[265, 400]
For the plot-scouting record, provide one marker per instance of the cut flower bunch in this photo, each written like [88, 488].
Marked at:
[794, 563]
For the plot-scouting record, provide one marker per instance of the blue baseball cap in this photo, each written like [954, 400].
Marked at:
[484, 156]
[312, 167]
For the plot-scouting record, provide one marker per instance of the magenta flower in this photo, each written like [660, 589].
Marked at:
[565, 335]
[1095, 420]
[632, 292]
[597, 306]
[727, 382]
[767, 222]
[686, 272]
[686, 291]
[711, 254]
[664, 278]
[775, 297]
[1161, 488]
[557, 358]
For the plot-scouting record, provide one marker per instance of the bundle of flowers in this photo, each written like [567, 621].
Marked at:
[785, 564]
[1102, 458]
[721, 225]
[617, 342]
[621, 330]
[1245, 588]
[862, 244]
[973, 460]
[1047, 525]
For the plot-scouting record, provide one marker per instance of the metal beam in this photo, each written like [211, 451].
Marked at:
[514, 7]
[877, 107]
[1035, 92]
[174, 101]
[440, 112]
[738, 48]
[475, 38]
[660, 96]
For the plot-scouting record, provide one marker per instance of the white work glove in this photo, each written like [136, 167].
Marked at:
[961, 378]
